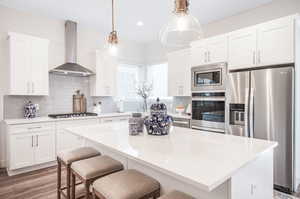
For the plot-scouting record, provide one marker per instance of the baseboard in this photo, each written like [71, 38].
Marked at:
[29, 169]
[2, 164]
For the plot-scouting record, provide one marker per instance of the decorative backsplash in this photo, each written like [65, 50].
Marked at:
[60, 99]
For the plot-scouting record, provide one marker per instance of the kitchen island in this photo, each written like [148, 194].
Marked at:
[204, 164]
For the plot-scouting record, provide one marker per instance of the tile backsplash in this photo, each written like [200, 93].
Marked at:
[60, 99]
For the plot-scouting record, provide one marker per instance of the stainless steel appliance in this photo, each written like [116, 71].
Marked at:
[71, 67]
[71, 115]
[209, 77]
[181, 122]
[208, 111]
[260, 104]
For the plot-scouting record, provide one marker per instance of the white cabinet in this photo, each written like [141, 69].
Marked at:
[28, 68]
[242, 49]
[30, 145]
[21, 151]
[209, 51]
[66, 140]
[179, 73]
[104, 82]
[114, 119]
[270, 43]
[275, 42]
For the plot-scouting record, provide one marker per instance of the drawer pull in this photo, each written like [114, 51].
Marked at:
[37, 127]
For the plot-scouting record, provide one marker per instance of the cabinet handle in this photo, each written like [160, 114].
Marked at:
[208, 56]
[32, 87]
[254, 59]
[37, 140]
[28, 87]
[258, 57]
[205, 57]
[32, 141]
[37, 127]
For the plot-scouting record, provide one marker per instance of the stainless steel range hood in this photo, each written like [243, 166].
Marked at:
[71, 67]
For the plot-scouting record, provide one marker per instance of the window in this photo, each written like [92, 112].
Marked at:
[128, 76]
[158, 76]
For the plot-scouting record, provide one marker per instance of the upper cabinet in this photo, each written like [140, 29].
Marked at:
[270, 43]
[28, 65]
[209, 51]
[104, 83]
[242, 49]
[179, 73]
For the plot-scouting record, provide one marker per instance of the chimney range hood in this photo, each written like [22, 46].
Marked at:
[71, 67]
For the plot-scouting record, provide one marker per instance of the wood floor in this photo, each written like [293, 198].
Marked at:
[39, 185]
[34, 185]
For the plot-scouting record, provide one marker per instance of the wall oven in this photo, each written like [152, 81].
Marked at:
[209, 77]
[208, 111]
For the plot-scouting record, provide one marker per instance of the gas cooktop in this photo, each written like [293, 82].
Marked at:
[70, 115]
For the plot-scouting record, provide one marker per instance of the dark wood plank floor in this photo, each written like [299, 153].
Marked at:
[39, 184]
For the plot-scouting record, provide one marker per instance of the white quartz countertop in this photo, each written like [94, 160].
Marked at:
[201, 158]
[48, 119]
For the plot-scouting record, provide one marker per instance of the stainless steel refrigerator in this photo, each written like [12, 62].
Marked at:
[260, 104]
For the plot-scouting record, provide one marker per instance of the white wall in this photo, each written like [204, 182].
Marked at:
[53, 29]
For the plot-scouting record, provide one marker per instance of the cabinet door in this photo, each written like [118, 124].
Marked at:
[104, 84]
[44, 146]
[217, 48]
[276, 42]
[242, 49]
[21, 150]
[19, 69]
[199, 54]
[39, 67]
[179, 73]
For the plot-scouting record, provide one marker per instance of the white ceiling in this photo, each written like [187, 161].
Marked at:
[154, 13]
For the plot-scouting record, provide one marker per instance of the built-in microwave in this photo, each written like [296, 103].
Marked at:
[209, 77]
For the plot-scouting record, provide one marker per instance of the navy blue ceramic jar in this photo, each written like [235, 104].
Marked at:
[158, 123]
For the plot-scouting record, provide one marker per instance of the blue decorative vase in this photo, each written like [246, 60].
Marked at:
[158, 123]
[30, 110]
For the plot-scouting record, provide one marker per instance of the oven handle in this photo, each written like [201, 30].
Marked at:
[208, 99]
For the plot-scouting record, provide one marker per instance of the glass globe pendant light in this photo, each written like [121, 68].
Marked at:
[182, 28]
[113, 36]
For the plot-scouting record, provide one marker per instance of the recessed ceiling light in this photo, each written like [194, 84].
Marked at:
[140, 23]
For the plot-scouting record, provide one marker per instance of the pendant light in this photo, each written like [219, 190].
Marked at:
[113, 36]
[182, 27]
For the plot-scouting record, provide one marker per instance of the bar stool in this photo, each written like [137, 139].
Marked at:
[176, 195]
[91, 169]
[127, 184]
[66, 159]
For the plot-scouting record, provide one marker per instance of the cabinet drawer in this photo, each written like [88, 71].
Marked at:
[180, 122]
[76, 123]
[15, 129]
[114, 119]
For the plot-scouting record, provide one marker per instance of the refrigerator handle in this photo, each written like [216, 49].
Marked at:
[251, 113]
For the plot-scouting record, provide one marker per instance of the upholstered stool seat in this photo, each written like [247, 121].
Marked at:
[127, 184]
[66, 158]
[82, 153]
[89, 170]
[176, 195]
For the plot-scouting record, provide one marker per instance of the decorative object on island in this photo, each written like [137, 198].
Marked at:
[144, 90]
[158, 123]
[30, 110]
[136, 124]
[79, 103]
[182, 28]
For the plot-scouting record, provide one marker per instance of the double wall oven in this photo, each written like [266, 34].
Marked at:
[208, 97]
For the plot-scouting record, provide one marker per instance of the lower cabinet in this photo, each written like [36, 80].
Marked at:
[30, 146]
[66, 140]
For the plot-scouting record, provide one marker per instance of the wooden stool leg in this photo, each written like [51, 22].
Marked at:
[87, 189]
[73, 185]
[68, 181]
[58, 178]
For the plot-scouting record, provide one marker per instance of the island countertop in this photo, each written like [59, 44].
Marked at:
[201, 158]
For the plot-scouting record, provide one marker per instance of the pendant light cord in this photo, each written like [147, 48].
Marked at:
[113, 15]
